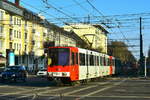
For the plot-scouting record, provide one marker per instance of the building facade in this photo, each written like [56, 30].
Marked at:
[94, 35]
[26, 33]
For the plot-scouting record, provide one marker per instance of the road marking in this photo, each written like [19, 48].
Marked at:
[56, 96]
[127, 97]
[4, 86]
[49, 91]
[79, 90]
[39, 93]
[100, 83]
[103, 89]
[20, 92]
[146, 97]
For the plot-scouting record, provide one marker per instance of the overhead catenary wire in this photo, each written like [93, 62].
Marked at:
[121, 21]
[50, 5]
[86, 10]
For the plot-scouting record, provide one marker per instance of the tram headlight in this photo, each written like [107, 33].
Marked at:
[65, 74]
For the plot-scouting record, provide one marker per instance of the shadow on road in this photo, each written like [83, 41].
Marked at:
[32, 81]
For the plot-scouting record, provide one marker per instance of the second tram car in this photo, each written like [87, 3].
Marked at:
[70, 64]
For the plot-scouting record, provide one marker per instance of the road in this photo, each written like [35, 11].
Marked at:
[104, 89]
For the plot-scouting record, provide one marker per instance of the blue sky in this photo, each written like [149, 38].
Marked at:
[106, 7]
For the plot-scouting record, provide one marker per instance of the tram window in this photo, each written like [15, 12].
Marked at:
[104, 61]
[73, 59]
[82, 59]
[76, 58]
[112, 62]
[59, 56]
[108, 62]
[91, 60]
[97, 60]
[100, 61]
[87, 59]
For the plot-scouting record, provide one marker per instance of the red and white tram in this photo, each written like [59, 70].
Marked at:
[72, 64]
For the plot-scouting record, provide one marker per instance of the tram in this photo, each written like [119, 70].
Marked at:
[70, 64]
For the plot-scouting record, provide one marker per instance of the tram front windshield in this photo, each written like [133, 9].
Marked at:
[59, 56]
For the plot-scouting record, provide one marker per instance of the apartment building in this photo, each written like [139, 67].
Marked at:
[94, 35]
[26, 32]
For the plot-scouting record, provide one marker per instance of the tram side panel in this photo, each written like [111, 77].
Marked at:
[83, 68]
[74, 66]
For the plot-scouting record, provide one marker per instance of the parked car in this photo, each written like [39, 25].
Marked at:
[14, 73]
[42, 73]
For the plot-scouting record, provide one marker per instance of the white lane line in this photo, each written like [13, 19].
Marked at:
[4, 86]
[49, 91]
[100, 83]
[52, 98]
[137, 97]
[103, 89]
[20, 92]
[40, 93]
[80, 90]
[127, 97]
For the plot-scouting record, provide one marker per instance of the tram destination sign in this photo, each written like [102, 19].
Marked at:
[11, 8]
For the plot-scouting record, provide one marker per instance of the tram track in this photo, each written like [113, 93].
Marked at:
[56, 92]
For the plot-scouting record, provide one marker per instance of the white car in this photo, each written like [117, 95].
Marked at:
[42, 73]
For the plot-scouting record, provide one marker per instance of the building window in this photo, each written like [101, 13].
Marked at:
[1, 44]
[25, 48]
[20, 22]
[26, 35]
[25, 23]
[1, 15]
[17, 34]
[19, 46]
[15, 46]
[15, 20]
[10, 44]
[11, 34]
[1, 29]
[14, 33]
[20, 35]
[11, 20]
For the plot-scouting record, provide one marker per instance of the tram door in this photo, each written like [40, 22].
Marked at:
[74, 66]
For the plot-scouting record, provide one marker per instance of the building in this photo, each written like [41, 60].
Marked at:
[94, 35]
[26, 33]
[11, 27]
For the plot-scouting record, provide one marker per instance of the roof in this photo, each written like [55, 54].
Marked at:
[101, 28]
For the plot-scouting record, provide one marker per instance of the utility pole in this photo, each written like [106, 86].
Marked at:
[141, 48]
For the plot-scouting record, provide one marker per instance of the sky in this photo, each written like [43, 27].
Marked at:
[102, 8]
